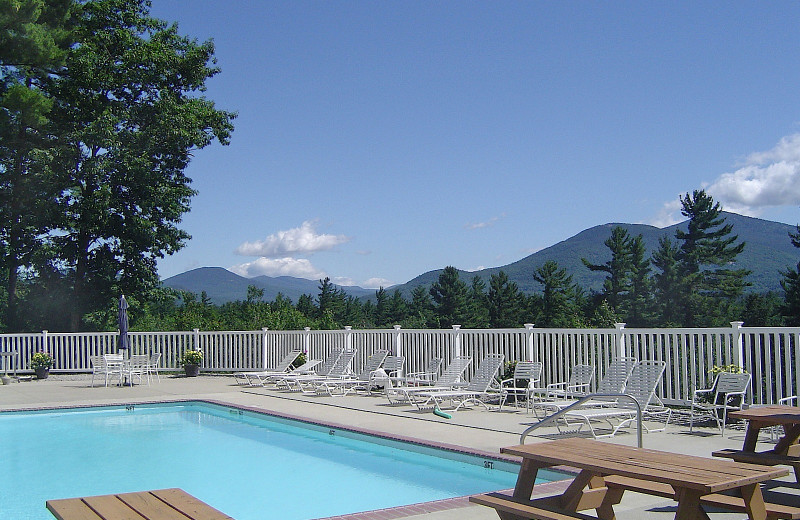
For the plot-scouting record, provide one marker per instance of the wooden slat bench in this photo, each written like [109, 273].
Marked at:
[728, 502]
[766, 458]
[540, 509]
[160, 504]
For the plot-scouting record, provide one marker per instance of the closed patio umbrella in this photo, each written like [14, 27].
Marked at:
[124, 341]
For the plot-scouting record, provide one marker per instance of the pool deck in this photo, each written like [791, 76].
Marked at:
[473, 430]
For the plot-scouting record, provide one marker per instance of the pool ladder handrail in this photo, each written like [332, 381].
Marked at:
[553, 418]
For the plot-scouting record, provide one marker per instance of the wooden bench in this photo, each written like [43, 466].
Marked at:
[728, 502]
[539, 509]
[765, 458]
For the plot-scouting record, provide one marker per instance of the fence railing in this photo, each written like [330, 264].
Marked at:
[769, 354]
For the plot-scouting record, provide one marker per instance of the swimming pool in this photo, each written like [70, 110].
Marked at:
[246, 464]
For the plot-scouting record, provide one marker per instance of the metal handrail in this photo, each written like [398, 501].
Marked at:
[552, 418]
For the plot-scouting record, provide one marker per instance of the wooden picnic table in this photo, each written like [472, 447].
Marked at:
[607, 470]
[786, 451]
[160, 504]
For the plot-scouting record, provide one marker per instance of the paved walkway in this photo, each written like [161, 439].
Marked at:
[473, 430]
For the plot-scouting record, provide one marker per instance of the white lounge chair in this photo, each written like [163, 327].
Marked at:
[344, 385]
[289, 381]
[256, 378]
[641, 386]
[449, 378]
[613, 382]
[727, 393]
[305, 369]
[340, 370]
[482, 386]
[528, 371]
[136, 367]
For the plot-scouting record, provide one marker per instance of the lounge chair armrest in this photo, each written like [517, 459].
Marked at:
[557, 385]
[703, 391]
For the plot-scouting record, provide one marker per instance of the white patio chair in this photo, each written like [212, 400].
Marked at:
[641, 385]
[152, 366]
[449, 378]
[393, 367]
[256, 378]
[136, 367]
[427, 376]
[727, 393]
[528, 371]
[100, 368]
[481, 387]
[578, 384]
[114, 366]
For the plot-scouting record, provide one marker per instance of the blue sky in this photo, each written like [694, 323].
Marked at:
[380, 140]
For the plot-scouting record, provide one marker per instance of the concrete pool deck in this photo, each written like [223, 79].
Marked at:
[472, 429]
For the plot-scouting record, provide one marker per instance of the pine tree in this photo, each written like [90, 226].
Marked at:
[667, 283]
[791, 288]
[558, 301]
[705, 254]
[420, 312]
[617, 285]
[504, 302]
[449, 294]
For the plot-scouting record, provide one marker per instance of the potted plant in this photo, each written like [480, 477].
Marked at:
[41, 363]
[191, 361]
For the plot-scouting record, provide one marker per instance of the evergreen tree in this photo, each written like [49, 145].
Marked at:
[478, 313]
[34, 41]
[791, 287]
[330, 302]
[558, 306]
[639, 302]
[667, 283]
[305, 304]
[505, 302]
[398, 308]
[617, 284]
[381, 314]
[449, 294]
[420, 312]
[706, 250]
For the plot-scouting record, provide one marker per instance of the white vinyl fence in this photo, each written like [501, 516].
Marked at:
[770, 354]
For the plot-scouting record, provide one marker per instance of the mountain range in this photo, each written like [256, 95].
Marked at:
[767, 253]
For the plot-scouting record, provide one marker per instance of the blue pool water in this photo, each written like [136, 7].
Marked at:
[244, 464]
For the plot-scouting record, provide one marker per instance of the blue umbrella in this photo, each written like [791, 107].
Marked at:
[124, 341]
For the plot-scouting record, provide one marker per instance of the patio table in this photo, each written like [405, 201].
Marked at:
[786, 451]
[160, 504]
[687, 479]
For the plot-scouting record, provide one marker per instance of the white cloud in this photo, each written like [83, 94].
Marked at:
[669, 214]
[480, 225]
[297, 267]
[770, 178]
[303, 239]
[376, 283]
[764, 179]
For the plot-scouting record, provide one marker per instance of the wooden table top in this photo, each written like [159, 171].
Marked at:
[160, 504]
[681, 471]
[774, 414]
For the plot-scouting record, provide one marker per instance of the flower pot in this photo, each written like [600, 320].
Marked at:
[191, 370]
[5, 379]
[41, 372]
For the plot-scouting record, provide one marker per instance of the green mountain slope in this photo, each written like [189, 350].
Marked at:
[767, 252]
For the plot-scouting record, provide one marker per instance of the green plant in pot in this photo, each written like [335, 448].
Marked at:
[41, 363]
[191, 361]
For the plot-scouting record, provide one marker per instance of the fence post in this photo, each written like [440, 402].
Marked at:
[529, 353]
[45, 346]
[622, 348]
[396, 345]
[307, 342]
[195, 339]
[456, 340]
[737, 344]
[264, 346]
